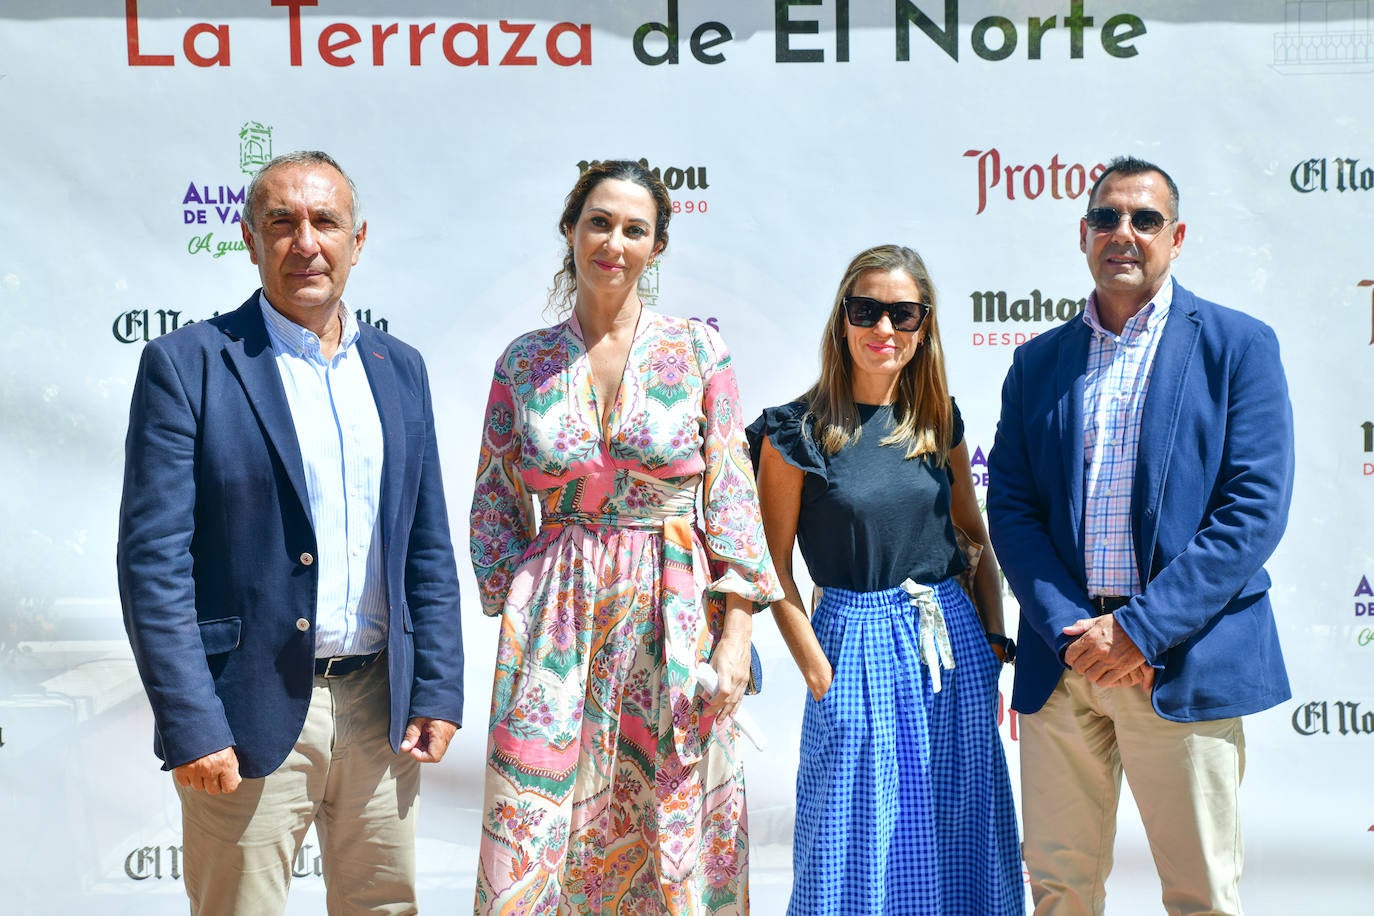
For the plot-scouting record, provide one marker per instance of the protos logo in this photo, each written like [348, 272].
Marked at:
[1371, 309]
[1057, 179]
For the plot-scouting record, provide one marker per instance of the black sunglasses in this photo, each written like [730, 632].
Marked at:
[864, 312]
[1106, 219]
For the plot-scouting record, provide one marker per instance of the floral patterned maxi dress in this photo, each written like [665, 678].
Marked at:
[607, 789]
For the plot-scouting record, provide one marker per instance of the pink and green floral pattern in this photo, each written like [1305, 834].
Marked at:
[608, 791]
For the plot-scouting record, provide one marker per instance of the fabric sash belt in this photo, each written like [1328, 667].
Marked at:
[686, 630]
[936, 652]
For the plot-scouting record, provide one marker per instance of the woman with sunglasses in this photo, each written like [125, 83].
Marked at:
[904, 804]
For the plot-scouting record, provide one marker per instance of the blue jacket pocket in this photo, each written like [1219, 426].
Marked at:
[222, 635]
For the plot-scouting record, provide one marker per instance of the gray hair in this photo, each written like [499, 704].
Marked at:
[300, 157]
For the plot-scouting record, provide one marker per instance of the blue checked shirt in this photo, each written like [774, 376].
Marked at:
[1113, 400]
[340, 436]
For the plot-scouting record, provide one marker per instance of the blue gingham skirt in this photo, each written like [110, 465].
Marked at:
[904, 804]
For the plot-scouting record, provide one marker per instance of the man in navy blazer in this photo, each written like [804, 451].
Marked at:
[1140, 478]
[286, 571]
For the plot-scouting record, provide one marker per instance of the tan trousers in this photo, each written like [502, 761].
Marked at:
[1185, 777]
[343, 776]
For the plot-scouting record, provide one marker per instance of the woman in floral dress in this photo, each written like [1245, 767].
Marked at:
[613, 785]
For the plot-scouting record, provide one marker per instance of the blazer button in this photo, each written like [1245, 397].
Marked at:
[307, 559]
[302, 624]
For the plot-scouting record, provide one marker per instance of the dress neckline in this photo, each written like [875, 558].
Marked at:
[604, 418]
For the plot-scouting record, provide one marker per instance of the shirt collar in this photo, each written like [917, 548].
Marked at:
[1147, 319]
[289, 337]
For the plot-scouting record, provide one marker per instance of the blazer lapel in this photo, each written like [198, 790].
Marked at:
[381, 375]
[249, 352]
[1072, 370]
[1159, 422]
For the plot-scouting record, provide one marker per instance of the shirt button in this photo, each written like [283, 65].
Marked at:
[307, 559]
[302, 624]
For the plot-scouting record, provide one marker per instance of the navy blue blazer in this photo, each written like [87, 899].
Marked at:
[216, 547]
[1213, 482]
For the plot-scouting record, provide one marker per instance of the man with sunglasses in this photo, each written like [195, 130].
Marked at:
[1140, 478]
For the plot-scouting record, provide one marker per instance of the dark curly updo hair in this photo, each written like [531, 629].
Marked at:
[565, 281]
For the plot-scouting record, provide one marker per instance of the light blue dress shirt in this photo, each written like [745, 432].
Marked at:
[1117, 381]
[340, 436]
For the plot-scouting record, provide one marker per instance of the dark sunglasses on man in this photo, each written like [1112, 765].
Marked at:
[1106, 219]
[864, 312]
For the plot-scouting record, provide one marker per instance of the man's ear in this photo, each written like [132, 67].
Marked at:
[248, 241]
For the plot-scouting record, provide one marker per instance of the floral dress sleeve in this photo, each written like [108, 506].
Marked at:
[502, 519]
[735, 542]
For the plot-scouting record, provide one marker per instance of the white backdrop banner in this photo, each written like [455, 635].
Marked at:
[792, 134]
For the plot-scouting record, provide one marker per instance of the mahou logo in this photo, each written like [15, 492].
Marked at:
[1000, 319]
[1367, 434]
[674, 178]
[687, 184]
[991, 305]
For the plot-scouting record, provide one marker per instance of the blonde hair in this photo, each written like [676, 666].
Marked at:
[922, 411]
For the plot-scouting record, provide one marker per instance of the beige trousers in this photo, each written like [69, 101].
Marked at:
[342, 776]
[1185, 777]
